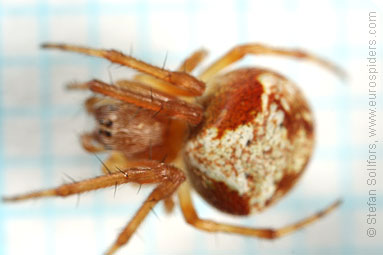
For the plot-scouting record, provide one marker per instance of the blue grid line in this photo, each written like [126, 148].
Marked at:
[242, 6]
[2, 157]
[193, 7]
[45, 122]
[341, 50]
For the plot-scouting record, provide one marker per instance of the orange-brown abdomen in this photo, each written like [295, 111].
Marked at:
[254, 142]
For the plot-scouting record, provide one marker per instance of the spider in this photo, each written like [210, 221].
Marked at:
[241, 139]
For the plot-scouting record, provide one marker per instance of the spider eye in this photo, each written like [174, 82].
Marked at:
[104, 133]
[106, 122]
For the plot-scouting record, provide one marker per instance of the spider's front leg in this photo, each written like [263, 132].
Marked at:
[140, 95]
[166, 176]
[187, 66]
[183, 81]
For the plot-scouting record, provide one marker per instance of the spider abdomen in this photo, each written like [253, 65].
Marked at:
[254, 142]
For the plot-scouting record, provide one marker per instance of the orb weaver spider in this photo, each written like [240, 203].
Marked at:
[242, 146]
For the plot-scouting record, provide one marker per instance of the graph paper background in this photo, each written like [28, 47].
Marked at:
[40, 121]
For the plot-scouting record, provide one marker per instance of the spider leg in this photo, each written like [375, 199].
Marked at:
[192, 218]
[114, 162]
[169, 205]
[191, 62]
[173, 178]
[117, 161]
[91, 102]
[182, 80]
[149, 98]
[89, 144]
[241, 51]
[187, 66]
[153, 172]
[168, 178]
[77, 86]
[145, 97]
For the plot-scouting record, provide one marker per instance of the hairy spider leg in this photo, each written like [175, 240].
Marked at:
[166, 176]
[173, 178]
[149, 98]
[187, 66]
[192, 218]
[241, 51]
[182, 80]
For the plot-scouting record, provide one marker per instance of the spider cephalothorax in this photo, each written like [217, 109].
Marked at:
[129, 129]
[242, 144]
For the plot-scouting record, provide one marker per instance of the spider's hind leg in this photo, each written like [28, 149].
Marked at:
[192, 218]
[241, 51]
